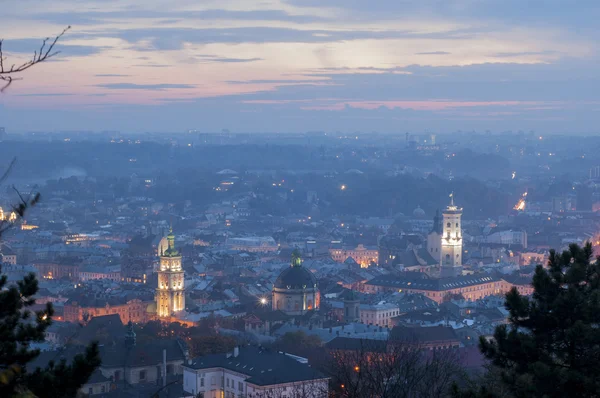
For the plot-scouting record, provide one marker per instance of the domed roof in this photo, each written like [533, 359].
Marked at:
[296, 276]
[418, 212]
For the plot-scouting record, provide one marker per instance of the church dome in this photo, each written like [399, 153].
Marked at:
[296, 276]
[418, 212]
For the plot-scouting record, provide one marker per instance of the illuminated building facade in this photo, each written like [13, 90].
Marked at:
[361, 254]
[11, 217]
[170, 295]
[133, 310]
[451, 244]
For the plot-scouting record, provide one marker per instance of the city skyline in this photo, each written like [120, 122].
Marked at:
[293, 66]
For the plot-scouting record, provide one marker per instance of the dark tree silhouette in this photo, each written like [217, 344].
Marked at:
[397, 369]
[551, 348]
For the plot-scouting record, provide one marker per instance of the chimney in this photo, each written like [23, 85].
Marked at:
[236, 351]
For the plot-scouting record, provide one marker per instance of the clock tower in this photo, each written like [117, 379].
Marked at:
[451, 250]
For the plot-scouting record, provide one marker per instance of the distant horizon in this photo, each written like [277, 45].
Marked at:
[297, 66]
[331, 134]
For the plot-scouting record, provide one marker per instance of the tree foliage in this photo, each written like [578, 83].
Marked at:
[551, 348]
[19, 327]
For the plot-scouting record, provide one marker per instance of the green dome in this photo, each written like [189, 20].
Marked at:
[171, 251]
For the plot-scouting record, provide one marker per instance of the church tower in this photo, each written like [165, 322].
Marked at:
[451, 251]
[351, 308]
[434, 238]
[170, 295]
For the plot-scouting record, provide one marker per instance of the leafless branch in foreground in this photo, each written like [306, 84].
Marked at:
[8, 74]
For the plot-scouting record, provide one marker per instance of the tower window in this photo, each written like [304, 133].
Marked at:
[456, 225]
[448, 225]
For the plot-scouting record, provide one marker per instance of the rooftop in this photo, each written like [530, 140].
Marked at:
[264, 367]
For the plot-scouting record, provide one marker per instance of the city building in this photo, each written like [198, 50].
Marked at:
[472, 287]
[434, 238]
[91, 272]
[253, 372]
[444, 242]
[296, 290]
[390, 247]
[258, 244]
[379, 314]
[429, 338]
[361, 254]
[129, 310]
[8, 256]
[67, 270]
[170, 294]
[351, 308]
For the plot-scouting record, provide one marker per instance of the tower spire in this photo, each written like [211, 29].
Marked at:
[452, 198]
[296, 258]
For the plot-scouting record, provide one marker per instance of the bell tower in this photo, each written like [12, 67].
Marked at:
[451, 250]
[170, 295]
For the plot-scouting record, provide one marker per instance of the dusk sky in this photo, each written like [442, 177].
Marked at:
[298, 65]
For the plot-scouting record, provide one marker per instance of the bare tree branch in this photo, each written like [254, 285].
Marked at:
[8, 74]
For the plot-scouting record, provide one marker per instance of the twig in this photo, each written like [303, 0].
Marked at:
[8, 169]
[45, 52]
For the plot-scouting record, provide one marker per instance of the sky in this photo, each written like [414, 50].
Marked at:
[391, 66]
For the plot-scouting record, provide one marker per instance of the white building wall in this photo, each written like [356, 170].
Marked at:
[223, 383]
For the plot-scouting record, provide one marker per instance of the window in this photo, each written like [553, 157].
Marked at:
[213, 381]
[202, 382]
[117, 376]
[228, 382]
[90, 391]
[448, 225]
[142, 375]
[102, 389]
[240, 386]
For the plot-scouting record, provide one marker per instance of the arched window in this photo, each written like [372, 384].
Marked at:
[448, 225]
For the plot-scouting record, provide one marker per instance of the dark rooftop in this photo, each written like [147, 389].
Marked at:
[264, 367]
[442, 284]
[422, 334]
